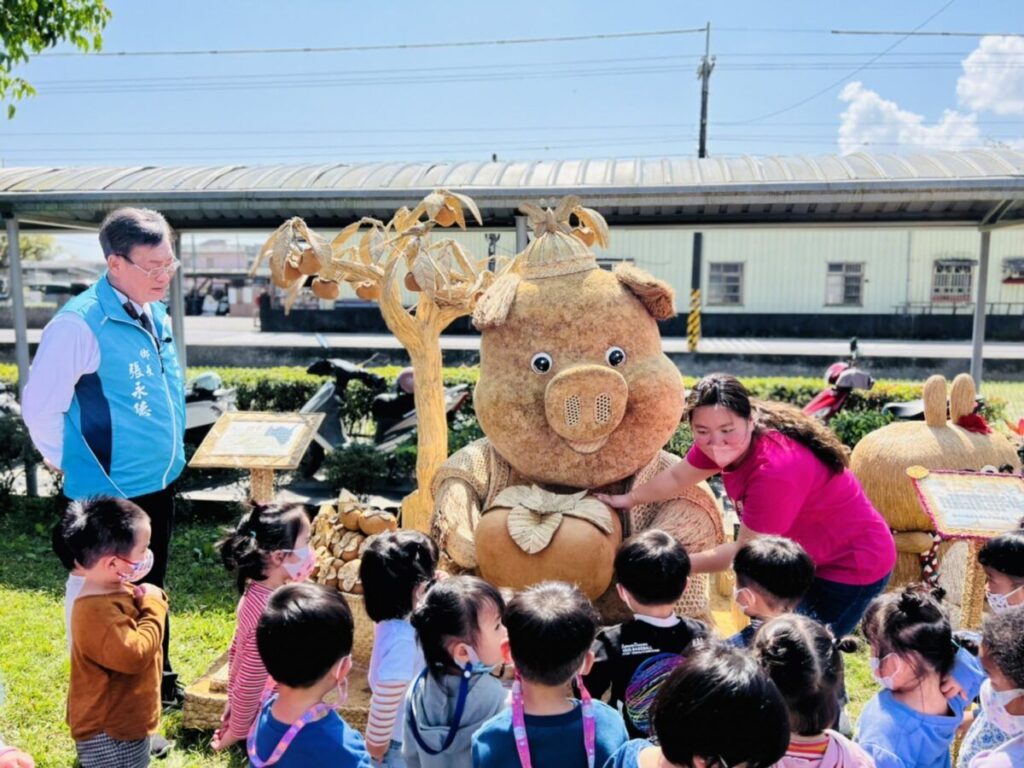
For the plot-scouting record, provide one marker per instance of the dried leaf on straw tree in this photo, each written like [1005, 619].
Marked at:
[277, 249]
[292, 296]
[445, 208]
[316, 242]
[594, 224]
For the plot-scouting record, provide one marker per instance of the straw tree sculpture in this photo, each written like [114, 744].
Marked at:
[376, 259]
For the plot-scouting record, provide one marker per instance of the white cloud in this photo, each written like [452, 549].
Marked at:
[872, 122]
[993, 77]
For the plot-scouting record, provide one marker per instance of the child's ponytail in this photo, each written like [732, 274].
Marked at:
[263, 529]
[805, 662]
[912, 622]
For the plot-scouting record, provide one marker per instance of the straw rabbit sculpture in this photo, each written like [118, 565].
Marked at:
[963, 442]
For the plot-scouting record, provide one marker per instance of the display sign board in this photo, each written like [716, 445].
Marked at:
[257, 440]
[970, 505]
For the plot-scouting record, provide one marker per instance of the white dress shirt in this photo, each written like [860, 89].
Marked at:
[68, 350]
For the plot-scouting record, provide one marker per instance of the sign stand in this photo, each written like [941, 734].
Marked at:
[260, 442]
[974, 506]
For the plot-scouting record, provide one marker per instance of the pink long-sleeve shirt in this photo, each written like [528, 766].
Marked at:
[247, 676]
[782, 488]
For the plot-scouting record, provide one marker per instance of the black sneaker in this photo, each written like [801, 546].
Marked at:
[172, 697]
[159, 747]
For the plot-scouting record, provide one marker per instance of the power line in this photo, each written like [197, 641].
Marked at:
[451, 129]
[498, 143]
[915, 33]
[1016, 61]
[355, 82]
[846, 77]
[343, 153]
[217, 83]
[391, 47]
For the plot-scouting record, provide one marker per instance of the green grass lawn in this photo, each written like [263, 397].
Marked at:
[34, 660]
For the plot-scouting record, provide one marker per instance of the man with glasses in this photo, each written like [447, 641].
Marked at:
[105, 401]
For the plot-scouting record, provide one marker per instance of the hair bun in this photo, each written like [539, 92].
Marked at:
[847, 645]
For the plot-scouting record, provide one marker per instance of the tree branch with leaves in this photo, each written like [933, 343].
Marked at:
[376, 259]
[32, 26]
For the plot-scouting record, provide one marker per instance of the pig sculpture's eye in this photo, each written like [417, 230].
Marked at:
[541, 362]
[615, 356]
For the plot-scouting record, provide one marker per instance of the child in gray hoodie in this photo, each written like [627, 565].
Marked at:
[459, 627]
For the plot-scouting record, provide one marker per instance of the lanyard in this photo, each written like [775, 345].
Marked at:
[317, 710]
[460, 706]
[519, 723]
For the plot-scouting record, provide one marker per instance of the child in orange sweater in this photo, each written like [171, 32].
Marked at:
[117, 633]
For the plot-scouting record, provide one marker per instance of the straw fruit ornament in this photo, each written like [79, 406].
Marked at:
[530, 531]
[339, 537]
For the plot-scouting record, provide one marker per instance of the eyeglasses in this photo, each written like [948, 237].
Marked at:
[156, 272]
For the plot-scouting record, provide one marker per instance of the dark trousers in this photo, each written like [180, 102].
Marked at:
[160, 508]
[839, 606]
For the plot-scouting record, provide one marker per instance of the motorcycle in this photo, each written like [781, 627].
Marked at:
[841, 379]
[9, 405]
[206, 400]
[393, 413]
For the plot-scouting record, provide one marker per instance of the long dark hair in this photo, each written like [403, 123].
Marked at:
[262, 530]
[727, 391]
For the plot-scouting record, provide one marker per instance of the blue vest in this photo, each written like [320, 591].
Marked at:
[124, 431]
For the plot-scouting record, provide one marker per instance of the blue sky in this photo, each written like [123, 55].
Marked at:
[615, 97]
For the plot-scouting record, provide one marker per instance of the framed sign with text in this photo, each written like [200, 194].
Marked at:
[257, 440]
[970, 505]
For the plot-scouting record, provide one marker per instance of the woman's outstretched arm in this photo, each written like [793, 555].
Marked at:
[665, 485]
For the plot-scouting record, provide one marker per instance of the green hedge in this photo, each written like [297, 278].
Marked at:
[287, 388]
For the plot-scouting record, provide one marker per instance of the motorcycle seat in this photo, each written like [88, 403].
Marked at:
[905, 411]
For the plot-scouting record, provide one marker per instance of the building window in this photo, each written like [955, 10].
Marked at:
[1013, 270]
[951, 280]
[844, 285]
[725, 284]
[609, 264]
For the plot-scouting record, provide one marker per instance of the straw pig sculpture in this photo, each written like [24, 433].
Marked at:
[575, 395]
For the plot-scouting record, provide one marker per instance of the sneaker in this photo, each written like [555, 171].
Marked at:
[172, 697]
[159, 747]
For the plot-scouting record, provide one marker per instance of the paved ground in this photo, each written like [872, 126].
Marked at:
[241, 333]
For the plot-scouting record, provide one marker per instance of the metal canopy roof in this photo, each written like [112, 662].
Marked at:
[938, 187]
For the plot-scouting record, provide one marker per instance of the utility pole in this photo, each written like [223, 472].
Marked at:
[707, 64]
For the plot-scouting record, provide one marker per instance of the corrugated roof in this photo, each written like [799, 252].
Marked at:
[937, 186]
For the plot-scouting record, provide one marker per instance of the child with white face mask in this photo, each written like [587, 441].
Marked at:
[460, 630]
[1002, 559]
[772, 576]
[996, 738]
[268, 548]
[117, 633]
[911, 723]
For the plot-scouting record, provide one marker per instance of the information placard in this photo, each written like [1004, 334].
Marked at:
[257, 440]
[971, 505]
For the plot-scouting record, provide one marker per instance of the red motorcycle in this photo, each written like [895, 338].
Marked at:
[841, 379]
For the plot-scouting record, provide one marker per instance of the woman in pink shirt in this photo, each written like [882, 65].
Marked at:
[788, 476]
